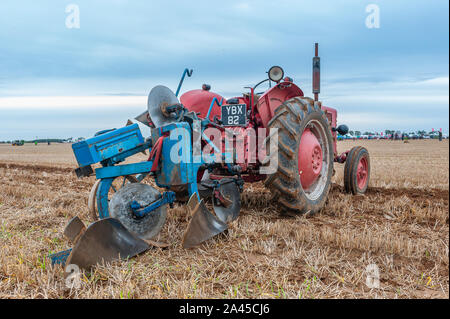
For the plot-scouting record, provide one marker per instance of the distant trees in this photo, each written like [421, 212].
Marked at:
[46, 140]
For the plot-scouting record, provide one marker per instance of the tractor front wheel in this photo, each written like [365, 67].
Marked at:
[302, 179]
[357, 171]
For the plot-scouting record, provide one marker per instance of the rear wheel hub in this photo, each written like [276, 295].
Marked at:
[310, 159]
[362, 173]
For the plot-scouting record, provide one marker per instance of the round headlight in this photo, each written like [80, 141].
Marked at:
[276, 73]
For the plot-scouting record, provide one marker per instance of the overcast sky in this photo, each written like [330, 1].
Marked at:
[57, 81]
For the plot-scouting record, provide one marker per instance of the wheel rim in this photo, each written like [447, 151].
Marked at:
[362, 173]
[313, 159]
[106, 189]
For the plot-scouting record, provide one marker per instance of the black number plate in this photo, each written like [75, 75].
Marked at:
[234, 115]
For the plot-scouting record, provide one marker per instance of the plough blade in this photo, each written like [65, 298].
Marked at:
[227, 201]
[203, 225]
[92, 199]
[74, 229]
[105, 240]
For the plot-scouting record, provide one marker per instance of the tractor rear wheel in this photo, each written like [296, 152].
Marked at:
[302, 180]
[357, 171]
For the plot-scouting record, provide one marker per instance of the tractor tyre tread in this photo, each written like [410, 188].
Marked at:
[348, 168]
[285, 183]
[350, 180]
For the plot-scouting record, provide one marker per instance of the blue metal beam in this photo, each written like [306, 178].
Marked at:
[122, 170]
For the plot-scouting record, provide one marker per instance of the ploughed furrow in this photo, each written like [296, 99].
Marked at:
[38, 168]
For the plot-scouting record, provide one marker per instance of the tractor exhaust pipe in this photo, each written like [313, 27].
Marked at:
[316, 73]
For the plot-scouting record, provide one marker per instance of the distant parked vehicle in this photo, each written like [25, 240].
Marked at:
[18, 143]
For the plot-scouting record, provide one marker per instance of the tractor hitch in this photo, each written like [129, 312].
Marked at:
[140, 211]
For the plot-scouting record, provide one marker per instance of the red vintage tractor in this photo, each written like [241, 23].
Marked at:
[307, 137]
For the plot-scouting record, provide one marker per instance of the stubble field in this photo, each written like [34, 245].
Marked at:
[401, 225]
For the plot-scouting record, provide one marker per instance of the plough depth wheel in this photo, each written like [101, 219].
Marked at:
[120, 207]
[106, 187]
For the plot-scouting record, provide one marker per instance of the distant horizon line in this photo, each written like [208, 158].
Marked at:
[362, 132]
